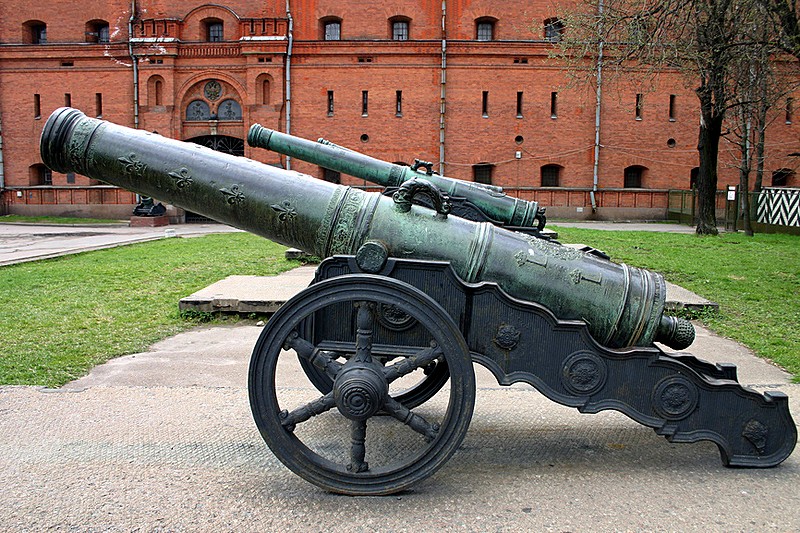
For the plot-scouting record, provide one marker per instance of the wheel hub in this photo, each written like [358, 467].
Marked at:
[360, 390]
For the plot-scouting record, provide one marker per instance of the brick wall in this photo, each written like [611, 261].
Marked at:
[513, 127]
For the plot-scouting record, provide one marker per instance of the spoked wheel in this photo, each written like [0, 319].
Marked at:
[414, 390]
[337, 440]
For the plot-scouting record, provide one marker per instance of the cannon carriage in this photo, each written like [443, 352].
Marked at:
[408, 299]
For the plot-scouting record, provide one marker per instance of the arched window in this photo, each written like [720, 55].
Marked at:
[484, 28]
[229, 110]
[97, 31]
[482, 173]
[551, 175]
[213, 30]
[263, 86]
[34, 32]
[155, 91]
[399, 27]
[553, 28]
[782, 177]
[198, 110]
[634, 176]
[331, 29]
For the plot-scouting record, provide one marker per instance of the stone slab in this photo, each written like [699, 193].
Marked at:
[265, 294]
[249, 294]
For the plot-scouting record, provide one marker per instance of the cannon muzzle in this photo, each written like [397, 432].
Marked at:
[491, 201]
[622, 305]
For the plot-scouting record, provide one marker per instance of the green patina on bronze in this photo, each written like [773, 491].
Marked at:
[490, 200]
[623, 306]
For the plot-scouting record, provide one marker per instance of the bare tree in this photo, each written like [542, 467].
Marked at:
[703, 39]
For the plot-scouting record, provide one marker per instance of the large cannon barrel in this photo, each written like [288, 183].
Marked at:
[622, 305]
[492, 201]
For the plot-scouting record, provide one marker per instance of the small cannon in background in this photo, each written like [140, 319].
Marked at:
[408, 299]
[473, 201]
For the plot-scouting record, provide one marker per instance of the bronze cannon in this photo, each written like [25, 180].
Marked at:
[473, 201]
[408, 299]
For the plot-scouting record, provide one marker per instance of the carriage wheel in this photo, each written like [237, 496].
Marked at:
[337, 441]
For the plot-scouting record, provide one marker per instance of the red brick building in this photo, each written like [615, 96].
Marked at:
[468, 85]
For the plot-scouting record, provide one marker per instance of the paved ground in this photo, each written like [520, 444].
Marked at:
[31, 242]
[164, 441]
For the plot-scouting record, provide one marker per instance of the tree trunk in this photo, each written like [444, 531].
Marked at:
[708, 149]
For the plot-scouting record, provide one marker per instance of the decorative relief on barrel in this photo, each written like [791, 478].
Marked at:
[234, 195]
[393, 318]
[324, 230]
[675, 398]
[133, 167]
[182, 177]
[583, 373]
[554, 250]
[77, 146]
[343, 234]
[506, 336]
[285, 211]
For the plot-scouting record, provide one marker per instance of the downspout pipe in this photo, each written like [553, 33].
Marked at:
[443, 95]
[135, 64]
[598, 107]
[288, 78]
[2, 171]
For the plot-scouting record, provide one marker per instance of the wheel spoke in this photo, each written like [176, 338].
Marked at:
[301, 414]
[409, 364]
[321, 359]
[364, 322]
[358, 450]
[412, 420]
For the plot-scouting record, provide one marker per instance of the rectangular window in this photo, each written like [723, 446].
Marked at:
[98, 105]
[330, 103]
[37, 106]
[333, 31]
[70, 177]
[399, 104]
[400, 31]
[215, 30]
[554, 105]
[672, 108]
[364, 103]
[519, 104]
[789, 106]
[482, 174]
[485, 104]
[67, 99]
[485, 31]
[639, 106]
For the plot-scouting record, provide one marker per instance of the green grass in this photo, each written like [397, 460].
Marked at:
[59, 318]
[55, 220]
[755, 280]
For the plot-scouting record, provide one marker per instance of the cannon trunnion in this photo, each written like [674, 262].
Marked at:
[363, 382]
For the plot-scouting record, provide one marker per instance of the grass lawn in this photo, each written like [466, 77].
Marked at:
[61, 317]
[755, 280]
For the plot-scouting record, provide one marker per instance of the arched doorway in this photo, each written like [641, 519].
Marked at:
[220, 143]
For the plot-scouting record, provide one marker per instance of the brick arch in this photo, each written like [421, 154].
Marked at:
[194, 89]
[194, 30]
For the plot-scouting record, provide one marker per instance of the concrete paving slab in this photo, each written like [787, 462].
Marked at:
[265, 294]
[249, 294]
[189, 458]
[24, 242]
